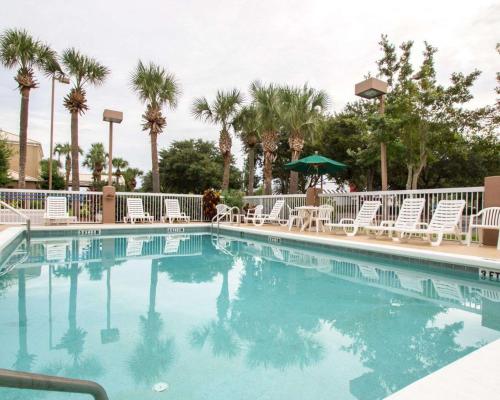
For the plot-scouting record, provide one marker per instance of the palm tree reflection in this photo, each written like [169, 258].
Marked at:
[153, 355]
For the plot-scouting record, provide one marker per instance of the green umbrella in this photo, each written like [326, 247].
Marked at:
[316, 165]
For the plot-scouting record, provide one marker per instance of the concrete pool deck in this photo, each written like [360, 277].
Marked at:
[471, 377]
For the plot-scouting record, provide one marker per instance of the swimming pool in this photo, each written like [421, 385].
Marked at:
[228, 317]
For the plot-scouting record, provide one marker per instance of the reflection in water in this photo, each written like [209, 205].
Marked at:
[153, 355]
[24, 360]
[273, 308]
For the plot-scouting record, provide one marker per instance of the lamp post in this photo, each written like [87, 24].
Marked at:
[370, 89]
[65, 80]
[111, 117]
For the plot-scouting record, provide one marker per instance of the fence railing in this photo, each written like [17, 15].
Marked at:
[85, 206]
[347, 205]
[153, 203]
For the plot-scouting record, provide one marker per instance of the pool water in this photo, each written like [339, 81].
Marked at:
[234, 318]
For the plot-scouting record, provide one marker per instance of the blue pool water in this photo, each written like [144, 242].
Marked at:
[234, 318]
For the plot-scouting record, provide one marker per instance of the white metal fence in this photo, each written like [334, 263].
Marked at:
[347, 205]
[85, 206]
[153, 203]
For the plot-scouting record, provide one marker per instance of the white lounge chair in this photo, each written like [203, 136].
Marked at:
[273, 216]
[135, 211]
[254, 213]
[408, 217]
[222, 212]
[56, 210]
[173, 212]
[446, 220]
[365, 218]
[487, 218]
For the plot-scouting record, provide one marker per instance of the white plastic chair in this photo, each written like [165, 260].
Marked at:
[487, 218]
[323, 216]
[408, 217]
[295, 216]
[135, 211]
[254, 213]
[56, 210]
[365, 218]
[273, 216]
[173, 212]
[446, 220]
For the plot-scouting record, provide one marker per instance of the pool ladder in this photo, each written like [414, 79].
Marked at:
[28, 380]
[219, 217]
[24, 217]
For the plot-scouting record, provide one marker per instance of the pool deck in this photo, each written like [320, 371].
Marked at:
[474, 376]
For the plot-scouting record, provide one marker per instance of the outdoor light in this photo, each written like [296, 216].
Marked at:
[370, 88]
[65, 80]
[373, 88]
[111, 116]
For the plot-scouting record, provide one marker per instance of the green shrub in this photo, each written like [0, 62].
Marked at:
[211, 198]
[233, 198]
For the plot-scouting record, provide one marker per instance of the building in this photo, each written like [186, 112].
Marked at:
[34, 154]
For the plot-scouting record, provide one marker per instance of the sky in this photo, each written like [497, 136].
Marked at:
[214, 45]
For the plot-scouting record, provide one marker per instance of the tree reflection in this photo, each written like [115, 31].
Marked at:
[153, 355]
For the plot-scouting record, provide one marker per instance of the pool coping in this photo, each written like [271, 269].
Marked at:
[472, 376]
[10, 233]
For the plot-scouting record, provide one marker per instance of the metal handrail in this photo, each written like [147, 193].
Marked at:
[28, 380]
[217, 218]
[27, 219]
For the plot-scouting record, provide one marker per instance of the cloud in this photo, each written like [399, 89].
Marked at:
[229, 43]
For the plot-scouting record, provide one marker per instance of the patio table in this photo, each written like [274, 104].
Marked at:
[310, 211]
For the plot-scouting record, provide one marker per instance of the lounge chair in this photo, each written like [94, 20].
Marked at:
[364, 219]
[487, 218]
[254, 213]
[446, 220]
[56, 210]
[173, 212]
[272, 217]
[135, 211]
[408, 217]
[222, 212]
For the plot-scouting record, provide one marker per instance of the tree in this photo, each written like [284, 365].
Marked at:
[18, 49]
[191, 166]
[64, 149]
[96, 159]
[83, 71]
[266, 101]
[156, 88]
[119, 164]
[130, 176]
[5, 154]
[57, 179]
[222, 111]
[246, 127]
[419, 111]
[300, 111]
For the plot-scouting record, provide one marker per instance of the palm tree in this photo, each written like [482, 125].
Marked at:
[130, 176]
[65, 150]
[156, 88]
[222, 111]
[119, 164]
[18, 49]
[300, 111]
[83, 70]
[246, 126]
[266, 100]
[95, 159]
